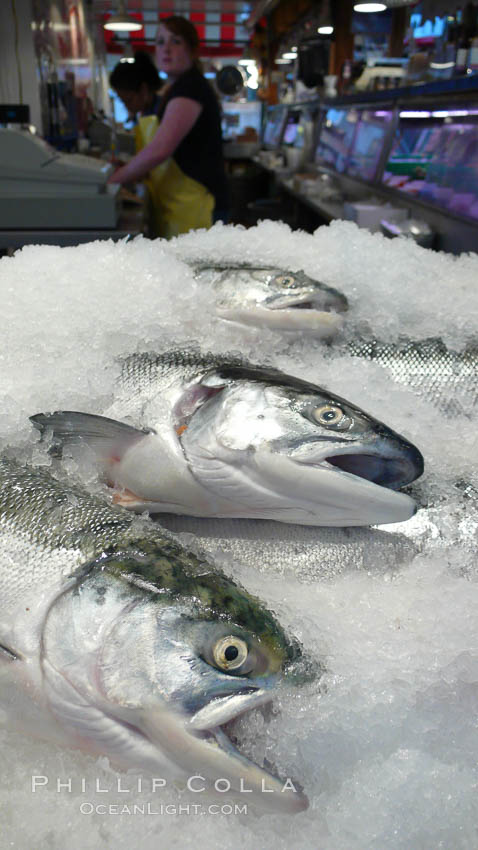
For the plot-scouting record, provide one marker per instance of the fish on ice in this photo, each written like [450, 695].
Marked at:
[242, 441]
[446, 378]
[117, 640]
[274, 298]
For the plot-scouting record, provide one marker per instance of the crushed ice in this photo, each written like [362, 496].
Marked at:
[387, 747]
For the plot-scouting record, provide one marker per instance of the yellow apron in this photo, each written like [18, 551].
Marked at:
[178, 202]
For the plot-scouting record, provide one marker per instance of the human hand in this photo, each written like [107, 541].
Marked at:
[116, 176]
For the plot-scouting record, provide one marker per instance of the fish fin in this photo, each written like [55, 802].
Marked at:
[108, 438]
[9, 654]
[125, 498]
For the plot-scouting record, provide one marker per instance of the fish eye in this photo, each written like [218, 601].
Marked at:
[230, 653]
[331, 416]
[286, 280]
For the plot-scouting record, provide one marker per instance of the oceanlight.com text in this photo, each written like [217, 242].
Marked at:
[188, 809]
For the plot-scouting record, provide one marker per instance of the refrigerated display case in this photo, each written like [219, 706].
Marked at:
[414, 148]
[434, 157]
[237, 117]
[298, 134]
[291, 127]
[336, 137]
[353, 140]
[275, 119]
[368, 145]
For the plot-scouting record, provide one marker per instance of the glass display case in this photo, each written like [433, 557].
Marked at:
[426, 151]
[413, 149]
[274, 126]
[291, 129]
[369, 142]
[238, 117]
[352, 141]
[336, 138]
[434, 157]
[299, 127]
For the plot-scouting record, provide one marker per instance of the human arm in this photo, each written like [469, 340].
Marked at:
[179, 118]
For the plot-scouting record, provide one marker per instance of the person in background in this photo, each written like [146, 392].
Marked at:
[183, 155]
[137, 84]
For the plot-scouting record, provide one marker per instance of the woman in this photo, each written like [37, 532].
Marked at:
[183, 158]
[136, 84]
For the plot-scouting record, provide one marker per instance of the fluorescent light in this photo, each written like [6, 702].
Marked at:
[246, 62]
[415, 114]
[289, 55]
[369, 7]
[453, 113]
[282, 61]
[325, 30]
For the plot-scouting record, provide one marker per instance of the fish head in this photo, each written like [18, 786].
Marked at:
[269, 440]
[151, 663]
[272, 297]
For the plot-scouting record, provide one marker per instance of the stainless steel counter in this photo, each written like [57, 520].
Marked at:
[131, 223]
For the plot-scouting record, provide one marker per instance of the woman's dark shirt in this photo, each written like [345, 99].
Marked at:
[199, 155]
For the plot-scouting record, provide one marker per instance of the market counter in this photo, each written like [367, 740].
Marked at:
[131, 222]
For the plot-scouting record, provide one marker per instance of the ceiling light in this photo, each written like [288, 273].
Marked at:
[282, 61]
[442, 65]
[369, 7]
[122, 22]
[289, 55]
[456, 113]
[415, 113]
[325, 22]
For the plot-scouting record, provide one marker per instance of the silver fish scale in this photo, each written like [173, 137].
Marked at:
[309, 553]
[141, 371]
[445, 378]
[48, 529]
[57, 515]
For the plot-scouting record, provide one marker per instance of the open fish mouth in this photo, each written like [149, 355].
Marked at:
[389, 467]
[304, 302]
[321, 321]
[343, 486]
[306, 305]
[215, 726]
[391, 473]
